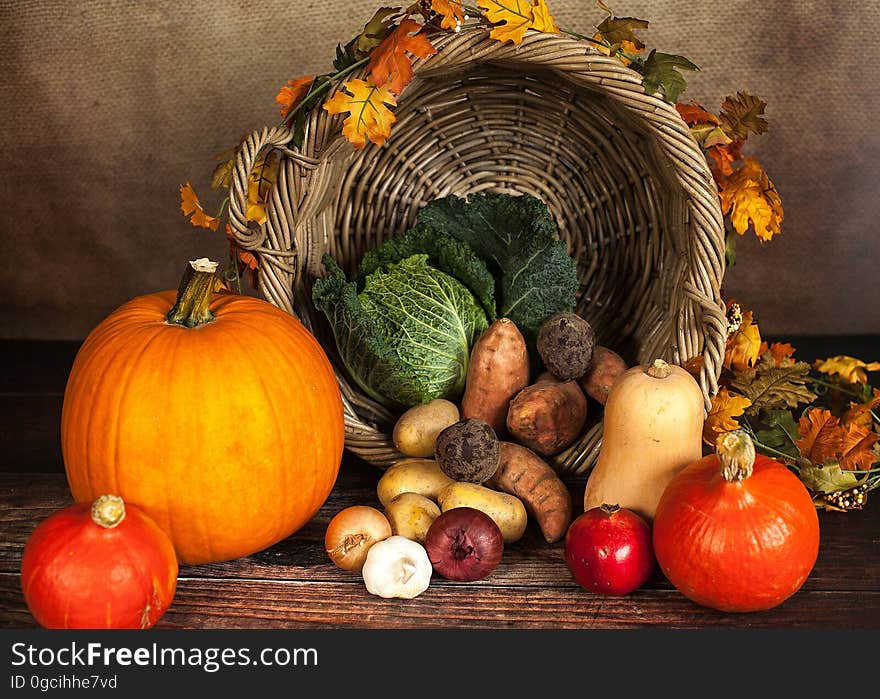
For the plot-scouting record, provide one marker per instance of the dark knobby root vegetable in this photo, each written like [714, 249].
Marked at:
[565, 343]
[527, 476]
[498, 370]
[468, 451]
[352, 532]
[464, 544]
[607, 366]
[547, 417]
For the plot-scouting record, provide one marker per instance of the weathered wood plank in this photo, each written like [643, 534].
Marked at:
[239, 604]
[848, 558]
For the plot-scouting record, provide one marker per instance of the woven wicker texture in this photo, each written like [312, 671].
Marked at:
[630, 191]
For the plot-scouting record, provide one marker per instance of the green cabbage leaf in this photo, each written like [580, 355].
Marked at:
[405, 338]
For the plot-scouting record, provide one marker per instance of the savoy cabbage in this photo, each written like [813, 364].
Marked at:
[405, 338]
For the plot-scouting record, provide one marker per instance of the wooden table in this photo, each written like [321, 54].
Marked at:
[293, 584]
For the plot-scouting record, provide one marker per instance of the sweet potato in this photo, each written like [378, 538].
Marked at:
[546, 498]
[607, 366]
[498, 370]
[547, 417]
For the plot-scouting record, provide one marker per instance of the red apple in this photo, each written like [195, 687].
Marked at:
[609, 550]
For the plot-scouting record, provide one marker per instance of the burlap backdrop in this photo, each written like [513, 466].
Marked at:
[107, 107]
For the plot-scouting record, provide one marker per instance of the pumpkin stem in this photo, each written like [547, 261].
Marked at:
[736, 451]
[658, 370]
[194, 295]
[108, 511]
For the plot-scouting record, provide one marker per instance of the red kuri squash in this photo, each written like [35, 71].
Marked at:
[98, 566]
[735, 530]
[220, 417]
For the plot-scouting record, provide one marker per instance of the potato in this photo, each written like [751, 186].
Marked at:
[507, 511]
[498, 370]
[411, 515]
[547, 417]
[420, 476]
[415, 432]
[607, 366]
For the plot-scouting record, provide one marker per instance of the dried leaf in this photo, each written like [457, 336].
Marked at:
[694, 113]
[451, 12]
[543, 20]
[743, 345]
[660, 72]
[619, 30]
[369, 116]
[389, 65]
[190, 206]
[856, 453]
[777, 354]
[749, 197]
[860, 413]
[849, 369]
[828, 478]
[221, 177]
[260, 186]
[775, 387]
[781, 433]
[821, 436]
[380, 26]
[722, 157]
[741, 115]
[724, 408]
[292, 94]
[694, 366]
[513, 18]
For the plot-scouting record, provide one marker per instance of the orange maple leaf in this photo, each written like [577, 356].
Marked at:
[452, 13]
[850, 369]
[190, 206]
[821, 436]
[389, 65]
[749, 197]
[723, 156]
[369, 116]
[513, 18]
[694, 113]
[780, 352]
[724, 408]
[743, 345]
[860, 413]
[291, 95]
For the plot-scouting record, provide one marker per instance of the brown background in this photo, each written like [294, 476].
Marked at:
[107, 107]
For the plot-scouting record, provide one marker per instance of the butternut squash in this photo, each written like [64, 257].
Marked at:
[653, 429]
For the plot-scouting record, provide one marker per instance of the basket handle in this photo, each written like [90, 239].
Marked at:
[246, 233]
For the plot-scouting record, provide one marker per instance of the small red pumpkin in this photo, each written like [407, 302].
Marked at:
[102, 565]
[736, 531]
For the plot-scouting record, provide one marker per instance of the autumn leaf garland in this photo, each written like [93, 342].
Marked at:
[820, 418]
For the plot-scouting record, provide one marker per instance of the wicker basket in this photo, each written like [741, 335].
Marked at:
[630, 190]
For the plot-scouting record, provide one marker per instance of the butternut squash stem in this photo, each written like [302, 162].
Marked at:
[108, 511]
[736, 451]
[658, 370]
[194, 295]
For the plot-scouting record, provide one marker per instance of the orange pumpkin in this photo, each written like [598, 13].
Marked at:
[220, 417]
